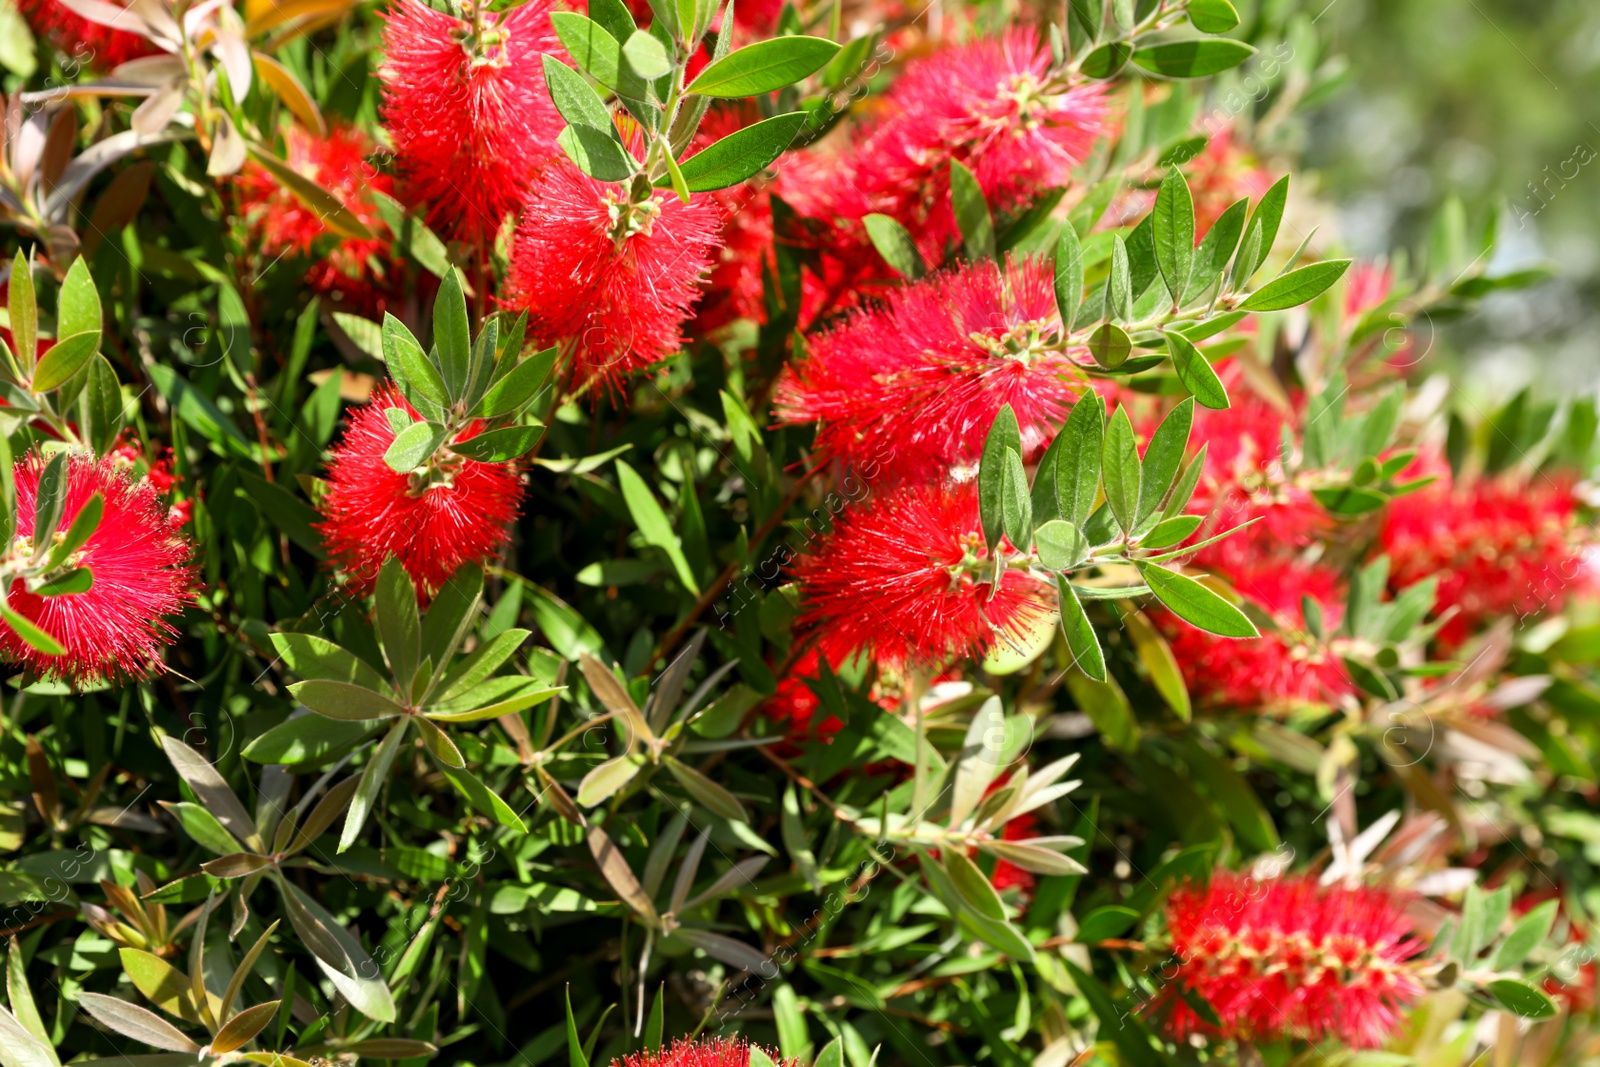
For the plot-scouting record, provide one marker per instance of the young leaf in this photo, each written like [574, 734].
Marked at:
[1212, 16]
[1269, 213]
[653, 523]
[1068, 277]
[1297, 287]
[1195, 371]
[741, 155]
[972, 213]
[413, 445]
[1110, 345]
[1079, 632]
[597, 154]
[896, 245]
[763, 67]
[1061, 545]
[1195, 58]
[1164, 456]
[1120, 470]
[1003, 434]
[1174, 233]
[1069, 474]
[451, 334]
[1216, 247]
[1195, 604]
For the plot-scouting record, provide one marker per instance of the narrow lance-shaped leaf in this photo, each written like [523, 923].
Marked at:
[1195, 604]
[1003, 434]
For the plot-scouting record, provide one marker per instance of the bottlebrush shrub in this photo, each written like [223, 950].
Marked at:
[689, 535]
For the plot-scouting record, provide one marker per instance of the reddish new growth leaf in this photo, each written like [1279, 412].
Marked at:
[468, 112]
[1283, 668]
[434, 520]
[1498, 547]
[281, 224]
[141, 573]
[1288, 958]
[918, 381]
[88, 44]
[614, 281]
[906, 577]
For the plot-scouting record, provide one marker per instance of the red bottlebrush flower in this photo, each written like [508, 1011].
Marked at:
[1367, 287]
[615, 283]
[370, 512]
[709, 1052]
[1498, 547]
[987, 103]
[904, 576]
[1281, 668]
[89, 44]
[141, 573]
[280, 223]
[468, 112]
[1288, 958]
[922, 377]
[736, 288]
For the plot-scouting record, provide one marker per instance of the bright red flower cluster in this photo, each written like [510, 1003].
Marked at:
[989, 104]
[615, 280]
[1281, 668]
[903, 576]
[711, 1052]
[141, 572]
[433, 524]
[281, 223]
[90, 44]
[467, 111]
[921, 378]
[1497, 546]
[1288, 958]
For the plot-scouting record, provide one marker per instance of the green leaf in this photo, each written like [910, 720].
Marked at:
[77, 580]
[1528, 934]
[1269, 213]
[597, 154]
[1107, 61]
[574, 98]
[373, 777]
[972, 213]
[1112, 920]
[1016, 508]
[1068, 478]
[1123, 1028]
[1195, 371]
[1120, 471]
[1068, 277]
[413, 445]
[341, 700]
[519, 386]
[597, 52]
[653, 523]
[1110, 345]
[35, 637]
[1297, 287]
[483, 798]
[1163, 456]
[1194, 603]
[1174, 233]
[1216, 247]
[1521, 998]
[1212, 16]
[764, 66]
[452, 338]
[399, 623]
[410, 365]
[646, 55]
[743, 154]
[78, 310]
[315, 657]
[327, 207]
[1119, 291]
[1003, 434]
[499, 446]
[1061, 545]
[22, 302]
[65, 358]
[1079, 632]
[896, 245]
[1193, 59]
[974, 889]
[1173, 531]
[308, 739]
